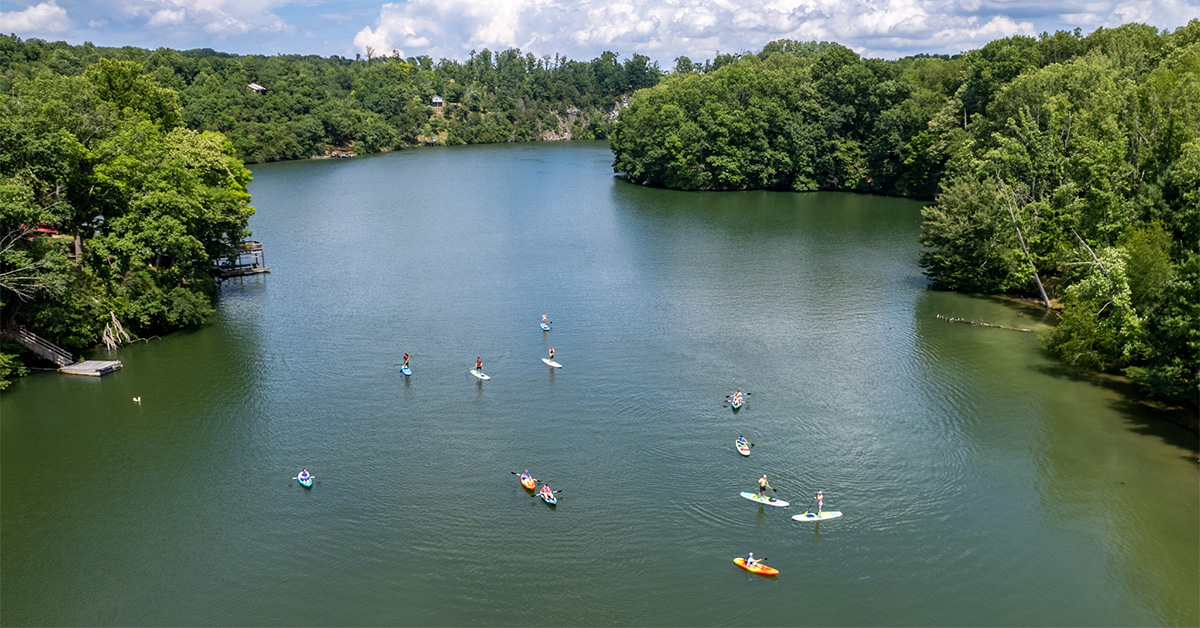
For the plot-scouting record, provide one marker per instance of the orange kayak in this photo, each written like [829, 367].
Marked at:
[528, 482]
[758, 568]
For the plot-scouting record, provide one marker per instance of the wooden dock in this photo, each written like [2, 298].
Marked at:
[249, 261]
[91, 368]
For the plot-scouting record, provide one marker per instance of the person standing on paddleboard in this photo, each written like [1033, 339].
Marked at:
[551, 353]
[763, 485]
[405, 360]
[543, 318]
[820, 502]
[479, 364]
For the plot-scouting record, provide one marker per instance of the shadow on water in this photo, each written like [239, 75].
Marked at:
[1178, 427]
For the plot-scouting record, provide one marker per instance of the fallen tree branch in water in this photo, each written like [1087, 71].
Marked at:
[950, 319]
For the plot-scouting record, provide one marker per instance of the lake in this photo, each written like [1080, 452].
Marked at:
[982, 484]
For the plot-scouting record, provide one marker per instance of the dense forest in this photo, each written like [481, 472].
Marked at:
[304, 106]
[1064, 168]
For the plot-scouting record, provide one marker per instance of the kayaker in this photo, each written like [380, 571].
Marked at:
[820, 501]
[479, 364]
[741, 440]
[304, 474]
[737, 397]
[751, 560]
[551, 353]
[763, 485]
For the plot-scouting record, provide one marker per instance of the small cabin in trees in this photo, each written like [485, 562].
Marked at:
[256, 88]
[436, 101]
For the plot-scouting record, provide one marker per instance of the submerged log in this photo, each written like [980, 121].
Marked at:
[950, 319]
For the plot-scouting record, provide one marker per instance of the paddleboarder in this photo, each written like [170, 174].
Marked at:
[543, 318]
[763, 485]
[820, 502]
[479, 364]
[405, 365]
[551, 353]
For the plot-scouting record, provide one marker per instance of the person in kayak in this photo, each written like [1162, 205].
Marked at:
[737, 398]
[820, 501]
[763, 485]
[304, 474]
[751, 561]
[741, 441]
[547, 494]
[479, 364]
[551, 353]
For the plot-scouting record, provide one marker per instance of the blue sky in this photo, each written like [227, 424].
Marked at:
[579, 29]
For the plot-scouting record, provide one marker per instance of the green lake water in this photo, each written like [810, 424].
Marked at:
[982, 483]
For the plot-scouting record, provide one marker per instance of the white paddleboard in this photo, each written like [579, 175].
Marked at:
[812, 516]
[552, 363]
[545, 327]
[770, 501]
[480, 375]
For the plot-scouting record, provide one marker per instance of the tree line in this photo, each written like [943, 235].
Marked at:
[1064, 168]
[312, 105]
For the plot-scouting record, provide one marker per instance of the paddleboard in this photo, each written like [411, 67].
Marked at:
[407, 371]
[742, 447]
[480, 375]
[545, 327]
[758, 568]
[552, 363]
[770, 501]
[305, 482]
[528, 482]
[812, 516]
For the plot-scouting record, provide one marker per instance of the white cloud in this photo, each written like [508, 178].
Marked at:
[166, 17]
[697, 28]
[46, 17]
[216, 17]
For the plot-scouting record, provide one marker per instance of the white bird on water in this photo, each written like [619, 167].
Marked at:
[137, 399]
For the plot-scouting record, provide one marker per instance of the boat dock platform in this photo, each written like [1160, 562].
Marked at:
[248, 260]
[91, 368]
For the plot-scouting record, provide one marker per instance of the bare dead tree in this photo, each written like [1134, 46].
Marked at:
[114, 335]
[24, 279]
[1021, 238]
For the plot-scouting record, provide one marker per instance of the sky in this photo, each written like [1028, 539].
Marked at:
[578, 29]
